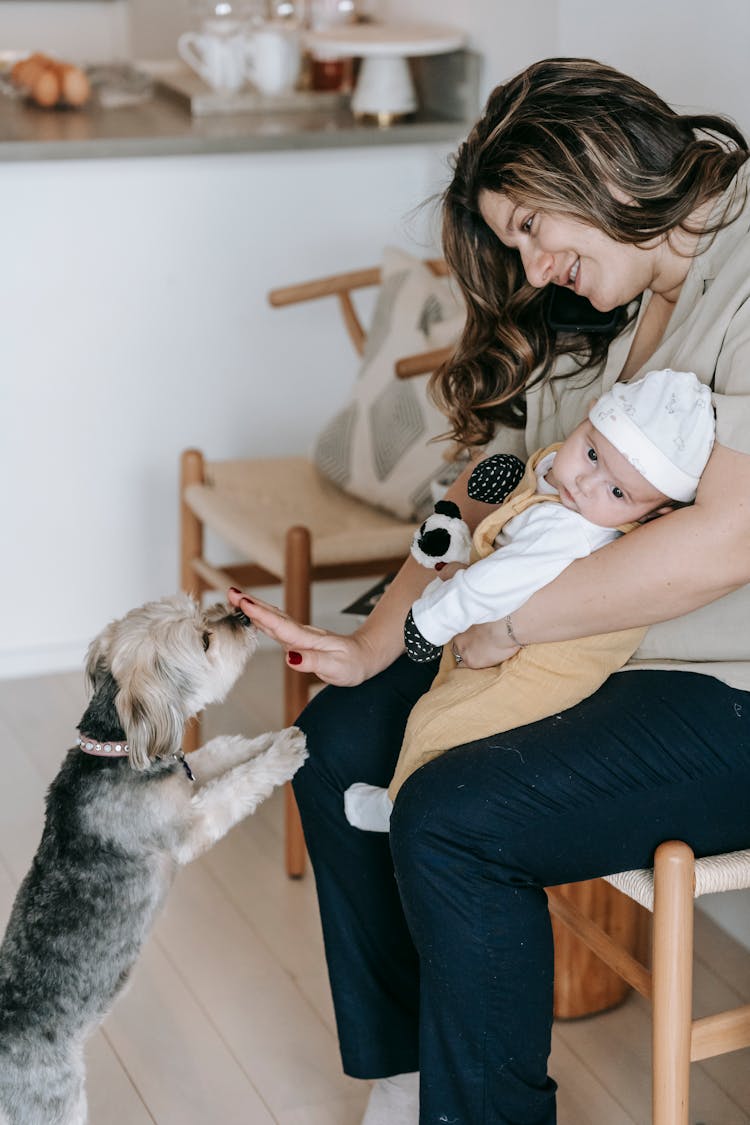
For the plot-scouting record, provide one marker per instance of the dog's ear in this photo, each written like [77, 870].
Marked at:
[152, 722]
[97, 661]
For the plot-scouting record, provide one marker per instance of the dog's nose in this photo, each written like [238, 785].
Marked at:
[241, 617]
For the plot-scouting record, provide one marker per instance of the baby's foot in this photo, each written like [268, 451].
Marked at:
[368, 807]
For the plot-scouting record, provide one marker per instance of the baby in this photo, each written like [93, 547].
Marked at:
[643, 446]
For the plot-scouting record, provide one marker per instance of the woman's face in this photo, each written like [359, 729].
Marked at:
[560, 250]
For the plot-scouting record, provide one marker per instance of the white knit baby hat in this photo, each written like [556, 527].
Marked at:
[664, 425]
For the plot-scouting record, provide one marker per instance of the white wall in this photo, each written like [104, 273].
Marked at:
[135, 324]
[692, 52]
[509, 34]
[85, 31]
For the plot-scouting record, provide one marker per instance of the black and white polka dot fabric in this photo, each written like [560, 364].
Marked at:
[418, 648]
[495, 478]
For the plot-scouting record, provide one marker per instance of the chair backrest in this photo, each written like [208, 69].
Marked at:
[342, 285]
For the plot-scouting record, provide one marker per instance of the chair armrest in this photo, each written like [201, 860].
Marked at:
[338, 283]
[341, 285]
[423, 363]
[323, 287]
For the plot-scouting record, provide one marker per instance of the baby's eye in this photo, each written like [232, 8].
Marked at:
[592, 455]
[617, 492]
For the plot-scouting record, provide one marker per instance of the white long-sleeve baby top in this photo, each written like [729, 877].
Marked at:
[531, 550]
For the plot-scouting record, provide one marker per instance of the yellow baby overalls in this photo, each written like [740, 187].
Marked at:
[540, 680]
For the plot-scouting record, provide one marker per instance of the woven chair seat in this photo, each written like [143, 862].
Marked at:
[728, 872]
[251, 504]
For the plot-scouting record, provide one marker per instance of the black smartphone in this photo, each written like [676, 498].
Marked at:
[569, 312]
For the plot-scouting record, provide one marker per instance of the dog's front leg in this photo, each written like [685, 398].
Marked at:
[225, 752]
[225, 800]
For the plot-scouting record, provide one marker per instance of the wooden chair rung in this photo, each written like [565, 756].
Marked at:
[219, 578]
[599, 942]
[723, 1032]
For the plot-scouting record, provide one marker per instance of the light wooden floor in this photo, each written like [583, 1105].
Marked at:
[228, 1020]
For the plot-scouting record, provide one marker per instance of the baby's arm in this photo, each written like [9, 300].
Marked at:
[444, 537]
[543, 545]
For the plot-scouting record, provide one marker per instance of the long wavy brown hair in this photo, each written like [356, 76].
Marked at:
[556, 138]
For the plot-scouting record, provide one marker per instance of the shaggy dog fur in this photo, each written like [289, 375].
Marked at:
[116, 829]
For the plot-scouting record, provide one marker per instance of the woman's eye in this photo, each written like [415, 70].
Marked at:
[617, 492]
[206, 641]
[591, 454]
[527, 224]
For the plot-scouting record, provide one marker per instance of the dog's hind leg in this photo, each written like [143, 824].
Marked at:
[226, 800]
[77, 1113]
[64, 1105]
[214, 758]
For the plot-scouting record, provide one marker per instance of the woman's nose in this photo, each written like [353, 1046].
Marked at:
[538, 265]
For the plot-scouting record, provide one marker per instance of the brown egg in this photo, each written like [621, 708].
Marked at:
[46, 88]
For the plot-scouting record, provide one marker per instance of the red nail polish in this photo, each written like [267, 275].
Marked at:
[439, 566]
[294, 657]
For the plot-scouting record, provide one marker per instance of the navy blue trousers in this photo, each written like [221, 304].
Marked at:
[438, 938]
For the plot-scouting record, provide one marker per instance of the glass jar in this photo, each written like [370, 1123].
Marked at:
[331, 74]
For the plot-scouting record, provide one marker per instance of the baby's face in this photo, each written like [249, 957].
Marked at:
[594, 478]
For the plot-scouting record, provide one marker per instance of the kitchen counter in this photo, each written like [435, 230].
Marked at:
[161, 126]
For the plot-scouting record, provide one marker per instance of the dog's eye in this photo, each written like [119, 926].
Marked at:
[206, 641]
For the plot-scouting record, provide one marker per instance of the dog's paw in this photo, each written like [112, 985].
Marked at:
[288, 749]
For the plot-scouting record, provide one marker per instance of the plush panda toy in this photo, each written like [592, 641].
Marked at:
[442, 538]
[445, 538]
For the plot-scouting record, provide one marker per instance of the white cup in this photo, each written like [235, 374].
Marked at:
[218, 53]
[274, 54]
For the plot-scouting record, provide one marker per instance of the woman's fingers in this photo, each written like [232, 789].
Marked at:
[335, 659]
[447, 570]
[484, 646]
[277, 624]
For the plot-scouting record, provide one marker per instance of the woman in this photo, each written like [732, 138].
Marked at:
[576, 177]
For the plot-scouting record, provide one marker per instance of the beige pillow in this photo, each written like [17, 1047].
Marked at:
[377, 448]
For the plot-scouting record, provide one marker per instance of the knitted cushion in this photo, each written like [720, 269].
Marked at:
[377, 448]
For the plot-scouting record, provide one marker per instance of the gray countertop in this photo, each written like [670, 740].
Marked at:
[162, 126]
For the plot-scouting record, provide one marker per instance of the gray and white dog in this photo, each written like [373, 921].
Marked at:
[124, 811]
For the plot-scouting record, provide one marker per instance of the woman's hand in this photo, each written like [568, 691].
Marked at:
[335, 659]
[484, 646]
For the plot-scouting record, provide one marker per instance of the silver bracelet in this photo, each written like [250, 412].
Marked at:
[509, 626]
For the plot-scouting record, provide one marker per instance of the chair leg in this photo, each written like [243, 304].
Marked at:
[192, 471]
[672, 970]
[296, 685]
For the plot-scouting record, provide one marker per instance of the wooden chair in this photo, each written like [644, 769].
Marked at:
[293, 526]
[668, 891]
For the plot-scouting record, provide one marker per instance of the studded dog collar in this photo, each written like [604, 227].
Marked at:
[102, 749]
[122, 750]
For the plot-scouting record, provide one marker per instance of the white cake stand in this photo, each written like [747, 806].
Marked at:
[384, 90]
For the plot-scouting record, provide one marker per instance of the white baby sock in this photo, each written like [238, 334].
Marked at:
[368, 807]
[394, 1101]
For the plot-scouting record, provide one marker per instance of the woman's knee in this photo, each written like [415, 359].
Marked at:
[451, 809]
[424, 816]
